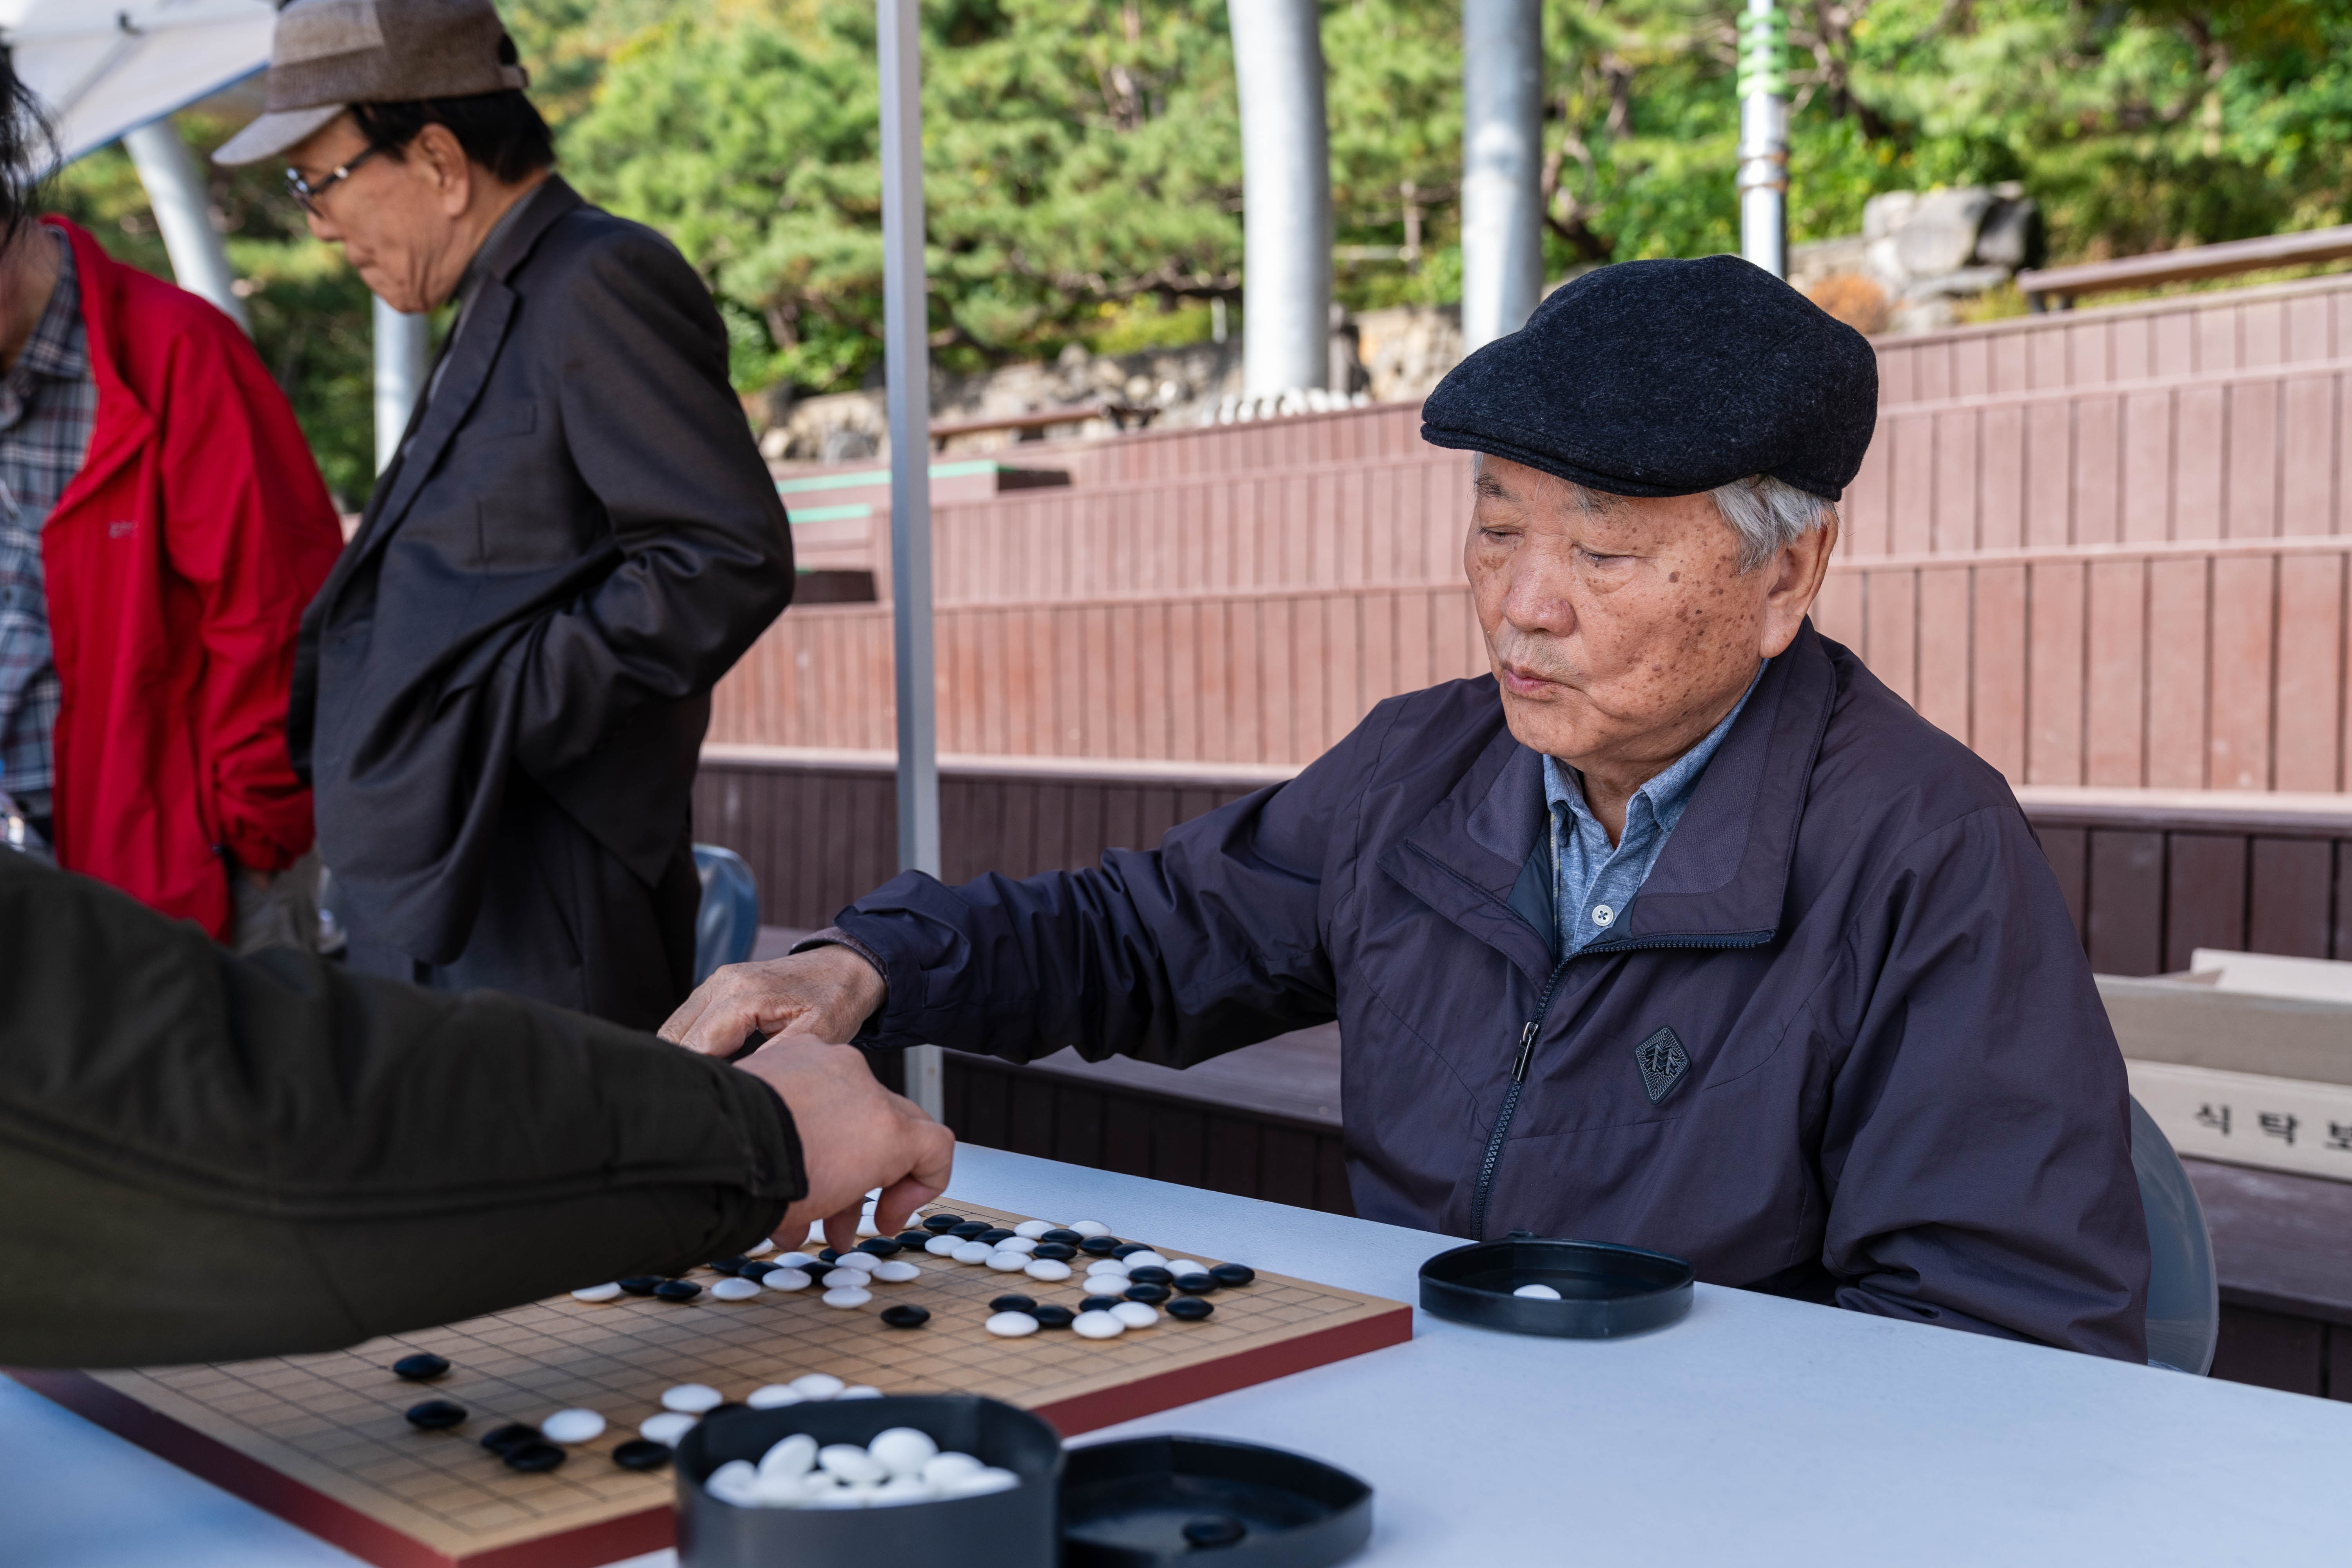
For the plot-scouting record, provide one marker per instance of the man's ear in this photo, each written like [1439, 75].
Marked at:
[437, 146]
[1798, 572]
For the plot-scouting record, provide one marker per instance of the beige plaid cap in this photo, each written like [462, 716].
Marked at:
[327, 55]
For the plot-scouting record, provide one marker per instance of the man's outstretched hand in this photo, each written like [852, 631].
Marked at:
[826, 993]
[855, 1136]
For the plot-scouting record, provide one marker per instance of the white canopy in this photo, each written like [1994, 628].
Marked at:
[107, 67]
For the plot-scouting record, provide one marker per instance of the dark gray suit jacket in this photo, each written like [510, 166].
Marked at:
[579, 541]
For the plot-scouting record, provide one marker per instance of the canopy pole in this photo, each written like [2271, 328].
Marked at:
[183, 207]
[1502, 167]
[403, 345]
[907, 359]
[1285, 195]
[1763, 180]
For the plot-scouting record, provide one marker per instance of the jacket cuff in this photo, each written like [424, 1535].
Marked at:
[869, 1032]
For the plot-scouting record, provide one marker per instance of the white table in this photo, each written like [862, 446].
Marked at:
[1756, 1431]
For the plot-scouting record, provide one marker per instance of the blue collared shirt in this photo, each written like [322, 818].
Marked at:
[1594, 883]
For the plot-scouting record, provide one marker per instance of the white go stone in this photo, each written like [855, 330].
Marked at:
[736, 1483]
[1008, 1262]
[943, 1245]
[830, 1497]
[1048, 1268]
[1185, 1268]
[693, 1398]
[1017, 1244]
[1098, 1325]
[873, 1195]
[1111, 1266]
[864, 1262]
[816, 1236]
[1538, 1293]
[573, 1427]
[974, 1252]
[667, 1427]
[1089, 1227]
[797, 1260]
[899, 1492]
[1139, 1259]
[816, 1385]
[853, 1279]
[865, 1226]
[597, 1293]
[951, 1467]
[851, 1463]
[790, 1491]
[785, 1279]
[898, 1271]
[772, 1396]
[846, 1296]
[903, 1450]
[734, 1289]
[1135, 1314]
[980, 1483]
[858, 1391]
[789, 1456]
[1013, 1325]
[761, 1250]
[1033, 1228]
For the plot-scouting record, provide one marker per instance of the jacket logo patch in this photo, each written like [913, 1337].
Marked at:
[1662, 1062]
[120, 529]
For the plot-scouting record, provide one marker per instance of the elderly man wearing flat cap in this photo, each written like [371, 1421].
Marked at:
[1678, 929]
[500, 695]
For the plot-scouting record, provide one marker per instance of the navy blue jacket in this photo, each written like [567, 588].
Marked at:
[1897, 1088]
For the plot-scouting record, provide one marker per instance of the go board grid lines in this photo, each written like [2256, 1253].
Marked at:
[333, 1422]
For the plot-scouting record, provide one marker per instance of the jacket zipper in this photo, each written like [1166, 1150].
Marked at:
[1480, 1194]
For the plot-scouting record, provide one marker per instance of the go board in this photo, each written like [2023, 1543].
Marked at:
[321, 1440]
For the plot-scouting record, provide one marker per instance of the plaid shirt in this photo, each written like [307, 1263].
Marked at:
[48, 403]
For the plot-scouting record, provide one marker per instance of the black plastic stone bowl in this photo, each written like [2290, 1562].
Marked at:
[1014, 1528]
[1606, 1291]
[1126, 1505]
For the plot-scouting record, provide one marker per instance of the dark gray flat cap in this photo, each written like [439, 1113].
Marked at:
[1666, 378]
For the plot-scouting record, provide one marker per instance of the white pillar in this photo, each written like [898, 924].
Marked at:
[1502, 166]
[907, 359]
[1285, 195]
[182, 205]
[402, 346]
[1763, 180]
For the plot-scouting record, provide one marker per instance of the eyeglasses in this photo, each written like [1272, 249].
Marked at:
[307, 194]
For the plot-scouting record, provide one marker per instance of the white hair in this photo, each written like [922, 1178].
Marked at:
[1769, 515]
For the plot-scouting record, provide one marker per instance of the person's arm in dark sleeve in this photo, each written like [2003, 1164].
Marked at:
[1977, 1147]
[659, 438]
[206, 1158]
[1213, 941]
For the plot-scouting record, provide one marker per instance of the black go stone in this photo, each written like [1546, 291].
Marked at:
[422, 1367]
[1214, 1529]
[1099, 1303]
[1067, 1237]
[513, 1434]
[1100, 1246]
[906, 1315]
[827, 1254]
[1053, 1316]
[644, 1453]
[1188, 1308]
[678, 1290]
[971, 1229]
[1151, 1295]
[1197, 1284]
[758, 1270]
[1128, 1249]
[727, 1265]
[534, 1457]
[1012, 1304]
[994, 1235]
[880, 1247]
[1059, 1251]
[906, 1238]
[436, 1415]
[642, 1284]
[938, 1223]
[1150, 1274]
[1233, 1274]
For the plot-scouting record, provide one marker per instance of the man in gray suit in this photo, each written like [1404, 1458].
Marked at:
[500, 694]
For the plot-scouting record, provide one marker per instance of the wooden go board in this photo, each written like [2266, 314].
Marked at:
[321, 1440]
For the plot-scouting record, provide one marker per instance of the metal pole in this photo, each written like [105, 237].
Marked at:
[1502, 158]
[182, 205]
[907, 359]
[403, 345]
[1285, 195]
[1763, 181]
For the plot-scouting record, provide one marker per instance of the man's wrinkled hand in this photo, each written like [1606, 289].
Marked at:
[826, 993]
[855, 1136]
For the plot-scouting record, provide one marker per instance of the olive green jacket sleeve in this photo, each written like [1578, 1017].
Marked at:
[205, 1158]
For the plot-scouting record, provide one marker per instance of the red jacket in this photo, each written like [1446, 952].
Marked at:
[178, 563]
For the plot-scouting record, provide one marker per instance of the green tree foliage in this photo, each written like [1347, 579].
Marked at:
[1083, 161]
